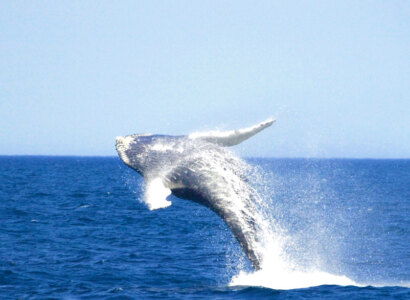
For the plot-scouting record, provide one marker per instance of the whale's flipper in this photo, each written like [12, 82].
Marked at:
[232, 137]
[156, 194]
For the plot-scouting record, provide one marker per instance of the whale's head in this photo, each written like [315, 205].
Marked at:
[134, 150]
[146, 153]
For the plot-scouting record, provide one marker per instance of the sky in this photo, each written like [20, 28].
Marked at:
[334, 74]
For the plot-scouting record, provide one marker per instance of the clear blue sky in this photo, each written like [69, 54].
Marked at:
[335, 74]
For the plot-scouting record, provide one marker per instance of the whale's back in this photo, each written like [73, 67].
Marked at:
[214, 177]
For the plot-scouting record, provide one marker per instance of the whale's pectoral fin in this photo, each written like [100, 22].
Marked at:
[156, 194]
[233, 137]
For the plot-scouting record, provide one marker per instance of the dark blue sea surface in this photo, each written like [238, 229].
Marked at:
[77, 227]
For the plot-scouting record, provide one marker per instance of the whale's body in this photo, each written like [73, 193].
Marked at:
[198, 168]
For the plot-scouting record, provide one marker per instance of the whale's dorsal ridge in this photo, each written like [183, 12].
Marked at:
[232, 137]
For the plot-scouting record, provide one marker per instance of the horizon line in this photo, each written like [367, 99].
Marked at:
[245, 157]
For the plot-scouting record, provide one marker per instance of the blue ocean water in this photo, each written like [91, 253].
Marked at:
[77, 227]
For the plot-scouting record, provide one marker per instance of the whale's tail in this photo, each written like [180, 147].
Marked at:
[232, 137]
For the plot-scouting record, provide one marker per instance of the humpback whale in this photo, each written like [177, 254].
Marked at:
[199, 168]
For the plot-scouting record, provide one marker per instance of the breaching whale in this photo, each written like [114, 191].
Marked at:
[199, 168]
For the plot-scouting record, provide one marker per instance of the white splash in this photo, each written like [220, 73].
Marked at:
[285, 279]
[156, 194]
[278, 270]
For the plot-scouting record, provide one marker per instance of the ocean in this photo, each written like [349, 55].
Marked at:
[79, 228]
